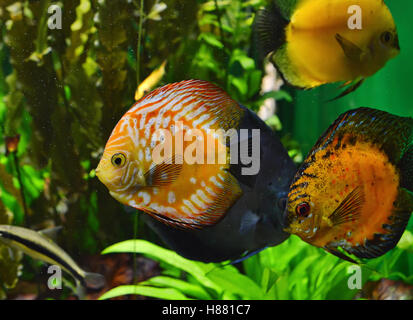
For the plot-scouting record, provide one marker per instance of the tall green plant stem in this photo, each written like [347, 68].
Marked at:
[138, 49]
[19, 178]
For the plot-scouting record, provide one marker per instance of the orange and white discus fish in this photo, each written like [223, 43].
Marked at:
[168, 156]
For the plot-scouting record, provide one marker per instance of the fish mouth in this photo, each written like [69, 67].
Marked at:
[306, 233]
[397, 43]
[285, 221]
[313, 227]
[287, 229]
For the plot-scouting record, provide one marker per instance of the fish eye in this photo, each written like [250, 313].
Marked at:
[386, 37]
[303, 209]
[118, 160]
[282, 203]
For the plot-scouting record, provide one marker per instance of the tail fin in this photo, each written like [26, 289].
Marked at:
[94, 280]
[269, 31]
[406, 169]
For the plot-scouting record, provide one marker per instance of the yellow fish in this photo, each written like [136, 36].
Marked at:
[327, 41]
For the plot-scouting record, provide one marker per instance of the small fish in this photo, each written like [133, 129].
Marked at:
[216, 212]
[40, 247]
[150, 82]
[354, 191]
[311, 43]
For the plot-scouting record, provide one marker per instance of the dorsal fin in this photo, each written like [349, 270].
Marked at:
[389, 132]
[194, 99]
[287, 7]
[269, 30]
[406, 169]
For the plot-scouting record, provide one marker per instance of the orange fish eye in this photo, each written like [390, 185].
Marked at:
[303, 209]
[118, 160]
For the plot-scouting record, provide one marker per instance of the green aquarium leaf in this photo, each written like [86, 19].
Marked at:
[81, 29]
[406, 241]
[188, 289]
[211, 39]
[246, 62]
[240, 84]
[42, 48]
[112, 21]
[236, 283]
[159, 293]
[253, 268]
[157, 9]
[274, 122]
[277, 95]
[197, 269]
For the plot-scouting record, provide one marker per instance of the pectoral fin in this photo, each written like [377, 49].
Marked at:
[164, 173]
[349, 209]
[351, 50]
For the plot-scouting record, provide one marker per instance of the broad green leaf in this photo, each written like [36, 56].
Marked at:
[236, 283]
[246, 62]
[240, 84]
[189, 289]
[277, 95]
[159, 293]
[274, 122]
[406, 241]
[197, 269]
[211, 39]
[253, 268]
[254, 83]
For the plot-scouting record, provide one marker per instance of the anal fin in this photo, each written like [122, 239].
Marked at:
[176, 223]
[349, 90]
[225, 198]
[246, 256]
[339, 254]
[216, 210]
[381, 243]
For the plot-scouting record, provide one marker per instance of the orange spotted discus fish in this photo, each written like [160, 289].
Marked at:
[354, 192]
[167, 156]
